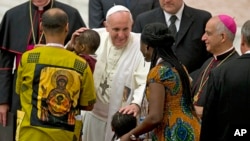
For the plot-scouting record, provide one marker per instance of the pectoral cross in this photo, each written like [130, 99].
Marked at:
[104, 86]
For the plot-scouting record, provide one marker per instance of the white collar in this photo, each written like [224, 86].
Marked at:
[55, 45]
[178, 15]
[215, 56]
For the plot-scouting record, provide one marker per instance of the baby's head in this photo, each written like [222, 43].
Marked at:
[123, 123]
[87, 42]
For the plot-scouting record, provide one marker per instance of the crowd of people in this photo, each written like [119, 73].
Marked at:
[64, 81]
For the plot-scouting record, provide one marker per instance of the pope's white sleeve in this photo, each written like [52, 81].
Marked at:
[139, 78]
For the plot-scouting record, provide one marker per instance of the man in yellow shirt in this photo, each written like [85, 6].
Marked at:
[53, 84]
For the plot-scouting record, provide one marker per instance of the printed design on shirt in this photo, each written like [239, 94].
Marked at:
[185, 108]
[80, 66]
[58, 95]
[180, 131]
[33, 57]
[166, 74]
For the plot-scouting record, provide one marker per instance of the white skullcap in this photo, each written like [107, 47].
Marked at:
[115, 9]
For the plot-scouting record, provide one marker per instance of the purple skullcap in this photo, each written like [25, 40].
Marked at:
[228, 22]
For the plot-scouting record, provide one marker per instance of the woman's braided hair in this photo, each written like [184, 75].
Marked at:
[158, 36]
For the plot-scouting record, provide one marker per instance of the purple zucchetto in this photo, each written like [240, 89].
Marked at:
[228, 22]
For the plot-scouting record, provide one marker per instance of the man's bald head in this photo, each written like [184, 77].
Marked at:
[54, 21]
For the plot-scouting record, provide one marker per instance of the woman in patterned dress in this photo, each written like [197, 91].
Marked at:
[170, 112]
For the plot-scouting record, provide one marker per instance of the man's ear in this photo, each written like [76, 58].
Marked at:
[243, 46]
[223, 37]
[67, 28]
[105, 23]
[83, 48]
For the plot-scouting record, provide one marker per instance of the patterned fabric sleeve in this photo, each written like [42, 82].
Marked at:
[160, 74]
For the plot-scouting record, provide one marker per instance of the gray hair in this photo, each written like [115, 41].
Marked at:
[245, 32]
[222, 28]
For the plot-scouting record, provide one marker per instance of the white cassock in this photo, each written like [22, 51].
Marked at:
[120, 68]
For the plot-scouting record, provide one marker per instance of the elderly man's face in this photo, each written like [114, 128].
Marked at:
[119, 26]
[211, 37]
[40, 3]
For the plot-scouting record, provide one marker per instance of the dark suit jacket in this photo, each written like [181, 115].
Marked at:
[189, 48]
[99, 8]
[228, 101]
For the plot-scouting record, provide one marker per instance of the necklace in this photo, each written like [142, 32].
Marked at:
[204, 79]
[32, 26]
[105, 84]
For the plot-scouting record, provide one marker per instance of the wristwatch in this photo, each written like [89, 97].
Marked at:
[133, 137]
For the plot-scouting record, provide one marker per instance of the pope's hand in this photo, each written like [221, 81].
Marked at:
[129, 109]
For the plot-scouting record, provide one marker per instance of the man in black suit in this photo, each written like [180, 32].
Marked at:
[227, 106]
[98, 9]
[190, 25]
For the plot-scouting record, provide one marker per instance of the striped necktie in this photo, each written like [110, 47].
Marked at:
[172, 26]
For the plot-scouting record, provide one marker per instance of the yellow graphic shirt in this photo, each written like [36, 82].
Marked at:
[53, 84]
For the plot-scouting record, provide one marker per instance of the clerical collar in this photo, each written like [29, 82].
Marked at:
[55, 45]
[224, 54]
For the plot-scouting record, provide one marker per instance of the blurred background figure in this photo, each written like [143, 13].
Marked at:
[98, 9]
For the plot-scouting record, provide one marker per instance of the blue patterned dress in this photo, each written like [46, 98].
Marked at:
[179, 123]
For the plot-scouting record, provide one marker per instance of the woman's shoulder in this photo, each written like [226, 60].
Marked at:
[162, 72]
